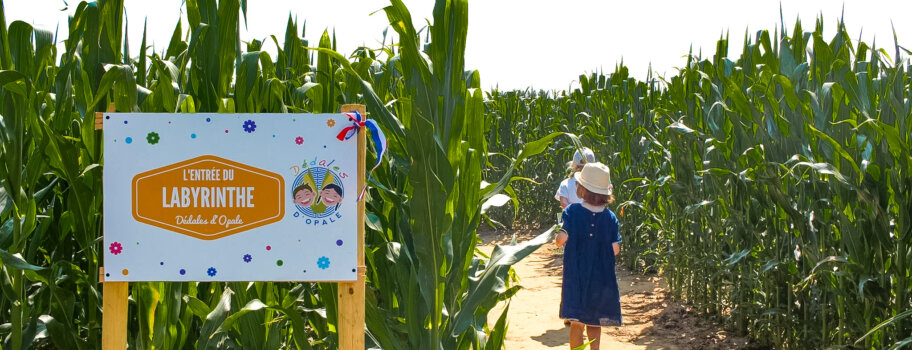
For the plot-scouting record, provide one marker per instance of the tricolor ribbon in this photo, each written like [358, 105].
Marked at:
[380, 143]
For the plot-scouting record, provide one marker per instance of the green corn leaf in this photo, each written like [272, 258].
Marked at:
[493, 279]
[15, 261]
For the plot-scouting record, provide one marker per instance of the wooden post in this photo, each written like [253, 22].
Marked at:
[351, 294]
[115, 294]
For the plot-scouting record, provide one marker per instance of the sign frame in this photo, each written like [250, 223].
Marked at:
[350, 294]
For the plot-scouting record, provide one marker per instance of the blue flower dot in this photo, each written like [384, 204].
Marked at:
[208, 120]
[323, 262]
[162, 263]
[128, 140]
[339, 242]
[192, 136]
[249, 126]
[211, 272]
[125, 122]
[183, 272]
[247, 258]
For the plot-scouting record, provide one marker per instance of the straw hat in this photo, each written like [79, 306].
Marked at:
[578, 157]
[595, 177]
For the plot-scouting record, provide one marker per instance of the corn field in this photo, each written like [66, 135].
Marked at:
[772, 190]
[424, 206]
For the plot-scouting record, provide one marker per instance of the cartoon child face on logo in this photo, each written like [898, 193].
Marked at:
[331, 194]
[303, 195]
[317, 193]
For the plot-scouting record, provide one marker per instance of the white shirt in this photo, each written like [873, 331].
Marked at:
[567, 190]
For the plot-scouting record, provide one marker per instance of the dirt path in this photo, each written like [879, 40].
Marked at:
[650, 320]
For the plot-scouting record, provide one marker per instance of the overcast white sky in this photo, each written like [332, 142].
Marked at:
[522, 43]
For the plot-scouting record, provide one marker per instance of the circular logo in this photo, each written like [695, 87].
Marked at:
[317, 192]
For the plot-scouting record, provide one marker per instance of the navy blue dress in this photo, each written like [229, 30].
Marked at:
[590, 289]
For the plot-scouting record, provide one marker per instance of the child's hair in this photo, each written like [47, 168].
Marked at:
[573, 168]
[301, 188]
[593, 198]
[334, 187]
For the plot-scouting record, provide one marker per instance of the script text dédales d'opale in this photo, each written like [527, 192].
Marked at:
[220, 220]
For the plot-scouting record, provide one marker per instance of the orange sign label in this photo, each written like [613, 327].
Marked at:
[208, 197]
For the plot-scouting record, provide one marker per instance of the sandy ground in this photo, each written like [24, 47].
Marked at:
[650, 320]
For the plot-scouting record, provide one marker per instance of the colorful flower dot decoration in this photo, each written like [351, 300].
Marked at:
[269, 247]
[125, 272]
[208, 120]
[339, 242]
[249, 126]
[162, 263]
[125, 122]
[107, 117]
[183, 272]
[152, 138]
[299, 140]
[247, 258]
[279, 262]
[211, 272]
[323, 262]
[128, 140]
[116, 248]
[192, 136]
[226, 131]
[331, 123]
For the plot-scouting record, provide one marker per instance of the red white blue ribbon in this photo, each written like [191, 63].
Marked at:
[380, 143]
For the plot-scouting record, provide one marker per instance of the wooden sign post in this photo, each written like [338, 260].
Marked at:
[351, 288]
[351, 294]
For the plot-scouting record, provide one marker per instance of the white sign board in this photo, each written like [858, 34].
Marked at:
[229, 197]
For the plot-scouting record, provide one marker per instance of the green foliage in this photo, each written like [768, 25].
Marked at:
[773, 190]
[428, 287]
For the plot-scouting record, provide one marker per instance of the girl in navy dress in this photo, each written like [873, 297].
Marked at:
[589, 295]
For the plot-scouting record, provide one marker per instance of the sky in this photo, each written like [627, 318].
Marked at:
[517, 44]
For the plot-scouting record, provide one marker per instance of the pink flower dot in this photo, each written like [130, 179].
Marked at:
[116, 248]
[226, 131]
[269, 247]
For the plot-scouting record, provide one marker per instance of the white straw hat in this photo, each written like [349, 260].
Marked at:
[595, 177]
[578, 157]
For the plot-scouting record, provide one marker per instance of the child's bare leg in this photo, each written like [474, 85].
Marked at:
[595, 335]
[576, 334]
